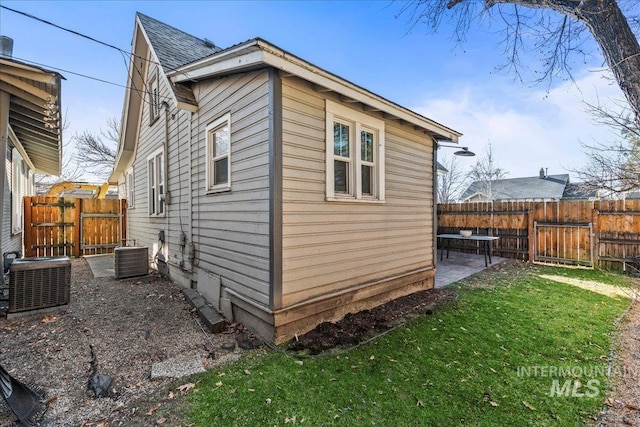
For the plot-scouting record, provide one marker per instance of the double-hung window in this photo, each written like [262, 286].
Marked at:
[219, 154]
[156, 174]
[354, 155]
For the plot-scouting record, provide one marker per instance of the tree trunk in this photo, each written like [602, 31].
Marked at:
[619, 45]
[612, 32]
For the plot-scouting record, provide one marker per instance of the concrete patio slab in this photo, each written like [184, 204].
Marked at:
[101, 265]
[460, 265]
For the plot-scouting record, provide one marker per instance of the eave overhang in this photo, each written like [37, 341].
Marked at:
[35, 114]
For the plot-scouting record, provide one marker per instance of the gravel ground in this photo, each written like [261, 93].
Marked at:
[130, 324]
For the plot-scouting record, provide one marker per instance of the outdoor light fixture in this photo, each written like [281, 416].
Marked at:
[464, 151]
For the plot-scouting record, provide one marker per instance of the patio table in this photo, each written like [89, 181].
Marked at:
[486, 244]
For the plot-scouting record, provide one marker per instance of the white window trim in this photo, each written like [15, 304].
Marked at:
[17, 191]
[212, 127]
[130, 186]
[357, 122]
[159, 196]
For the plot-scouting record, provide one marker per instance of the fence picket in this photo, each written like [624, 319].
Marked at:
[55, 226]
[613, 241]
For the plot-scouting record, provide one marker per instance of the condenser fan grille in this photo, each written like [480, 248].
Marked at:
[36, 283]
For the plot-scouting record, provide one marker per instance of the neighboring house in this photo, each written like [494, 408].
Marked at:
[633, 195]
[30, 137]
[81, 190]
[541, 187]
[286, 195]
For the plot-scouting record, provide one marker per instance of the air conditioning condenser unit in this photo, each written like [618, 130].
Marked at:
[131, 261]
[39, 283]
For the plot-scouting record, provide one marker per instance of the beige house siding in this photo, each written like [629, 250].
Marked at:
[330, 247]
[231, 229]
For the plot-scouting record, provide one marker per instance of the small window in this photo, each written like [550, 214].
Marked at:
[156, 174]
[219, 154]
[368, 166]
[341, 157]
[355, 155]
[154, 97]
[131, 194]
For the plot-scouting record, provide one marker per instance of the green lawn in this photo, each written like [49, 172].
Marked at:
[493, 357]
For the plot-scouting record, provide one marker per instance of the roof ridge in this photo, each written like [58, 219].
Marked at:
[173, 28]
[172, 46]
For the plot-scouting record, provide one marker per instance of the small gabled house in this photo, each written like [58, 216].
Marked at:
[541, 187]
[30, 137]
[286, 195]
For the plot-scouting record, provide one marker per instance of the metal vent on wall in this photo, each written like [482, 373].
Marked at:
[131, 261]
[37, 283]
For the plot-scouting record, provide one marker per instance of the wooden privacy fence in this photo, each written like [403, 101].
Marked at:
[73, 227]
[603, 233]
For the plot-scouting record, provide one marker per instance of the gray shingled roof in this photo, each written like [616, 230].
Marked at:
[174, 47]
[549, 187]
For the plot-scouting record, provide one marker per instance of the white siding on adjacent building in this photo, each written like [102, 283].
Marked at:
[10, 241]
[331, 246]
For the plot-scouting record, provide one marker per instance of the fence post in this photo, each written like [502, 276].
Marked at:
[123, 222]
[595, 241]
[78, 229]
[530, 235]
[27, 230]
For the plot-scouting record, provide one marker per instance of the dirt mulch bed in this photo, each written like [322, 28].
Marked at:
[356, 328]
[130, 324]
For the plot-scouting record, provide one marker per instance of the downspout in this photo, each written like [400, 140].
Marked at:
[435, 201]
[165, 178]
[165, 156]
[190, 246]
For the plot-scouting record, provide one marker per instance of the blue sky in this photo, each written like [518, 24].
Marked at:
[364, 42]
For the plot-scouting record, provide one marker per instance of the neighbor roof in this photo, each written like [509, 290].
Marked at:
[549, 187]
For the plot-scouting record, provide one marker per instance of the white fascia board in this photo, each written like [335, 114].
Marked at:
[129, 131]
[224, 63]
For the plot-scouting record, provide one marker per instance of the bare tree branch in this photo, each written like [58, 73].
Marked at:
[98, 151]
[452, 183]
[555, 29]
[613, 168]
[484, 173]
